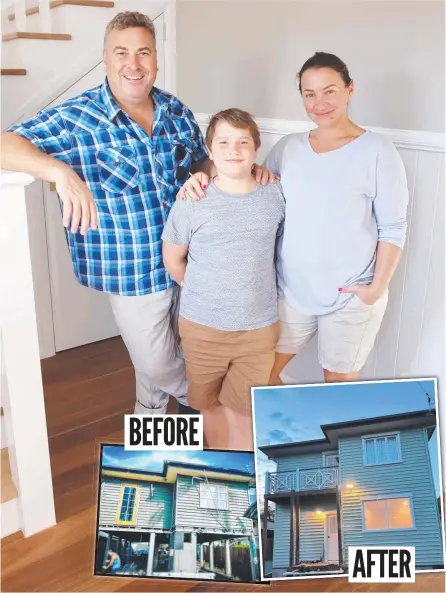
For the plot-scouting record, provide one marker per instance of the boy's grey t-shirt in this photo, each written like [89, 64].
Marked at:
[230, 281]
[339, 204]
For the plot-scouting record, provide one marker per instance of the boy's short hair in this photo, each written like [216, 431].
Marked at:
[236, 118]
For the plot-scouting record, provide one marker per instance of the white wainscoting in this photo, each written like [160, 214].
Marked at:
[411, 339]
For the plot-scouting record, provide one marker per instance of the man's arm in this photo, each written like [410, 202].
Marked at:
[20, 154]
[207, 167]
[174, 257]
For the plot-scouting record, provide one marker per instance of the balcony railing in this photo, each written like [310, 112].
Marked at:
[318, 478]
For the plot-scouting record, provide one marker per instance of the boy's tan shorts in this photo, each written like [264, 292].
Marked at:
[222, 366]
[345, 336]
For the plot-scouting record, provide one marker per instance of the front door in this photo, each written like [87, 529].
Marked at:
[331, 538]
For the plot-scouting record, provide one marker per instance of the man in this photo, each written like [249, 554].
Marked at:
[118, 154]
[114, 562]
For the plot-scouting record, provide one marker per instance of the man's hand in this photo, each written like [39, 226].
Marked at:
[194, 186]
[78, 202]
[368, 294]
[264, 176]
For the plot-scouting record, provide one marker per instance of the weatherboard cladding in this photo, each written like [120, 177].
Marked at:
[312, 527]
[154, 511]
[188, 512]
[281, 549]
[412, 476]
[281, 546]
[305, 461]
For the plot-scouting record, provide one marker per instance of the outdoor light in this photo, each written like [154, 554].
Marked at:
[349, 485]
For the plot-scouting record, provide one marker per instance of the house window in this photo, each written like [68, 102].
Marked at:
[127, 505]
[331, 459]
[388, 513]
[214, 496]
[252, 495]
[381, 449]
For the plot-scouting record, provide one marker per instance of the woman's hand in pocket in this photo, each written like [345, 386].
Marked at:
[367, 293]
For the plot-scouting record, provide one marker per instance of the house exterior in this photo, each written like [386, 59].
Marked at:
[181, 513]
[367, 482]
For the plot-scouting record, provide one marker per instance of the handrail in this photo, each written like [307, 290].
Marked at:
[34, 106]
[11, 178]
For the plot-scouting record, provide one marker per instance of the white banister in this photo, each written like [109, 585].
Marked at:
[22, 393]
[20, 15]
[44, 14]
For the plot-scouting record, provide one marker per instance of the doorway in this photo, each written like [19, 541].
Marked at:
[331, 538]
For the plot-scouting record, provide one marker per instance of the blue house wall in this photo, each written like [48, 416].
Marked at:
[412, 476]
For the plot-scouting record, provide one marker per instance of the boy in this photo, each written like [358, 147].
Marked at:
[228, 312]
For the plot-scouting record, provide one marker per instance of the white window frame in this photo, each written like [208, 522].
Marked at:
[218, 486]
[388, 497]
[326, 454]
[377, 436]
[253, 489]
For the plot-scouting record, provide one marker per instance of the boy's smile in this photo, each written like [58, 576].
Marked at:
[233, 151]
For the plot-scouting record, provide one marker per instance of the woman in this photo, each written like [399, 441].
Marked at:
[346, 200]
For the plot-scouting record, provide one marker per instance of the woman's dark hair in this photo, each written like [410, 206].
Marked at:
[323, 60]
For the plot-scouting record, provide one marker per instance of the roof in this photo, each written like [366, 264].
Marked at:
[171, 470]
[332, 432]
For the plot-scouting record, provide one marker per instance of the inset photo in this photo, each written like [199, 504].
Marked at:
[177, 515]
[351, 464]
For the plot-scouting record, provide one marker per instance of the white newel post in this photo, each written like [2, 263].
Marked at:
[23, 404]
[44, 16]
[20, 15]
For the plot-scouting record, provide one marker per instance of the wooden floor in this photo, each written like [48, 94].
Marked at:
[87, 391]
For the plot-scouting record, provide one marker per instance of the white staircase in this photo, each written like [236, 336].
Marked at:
[56, 46]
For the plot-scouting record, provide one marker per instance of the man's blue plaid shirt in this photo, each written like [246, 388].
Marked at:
[132, 177]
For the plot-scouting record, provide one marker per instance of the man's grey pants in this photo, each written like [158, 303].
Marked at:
[149, 328]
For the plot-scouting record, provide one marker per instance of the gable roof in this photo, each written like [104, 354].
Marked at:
[332, 432]
[171, 470]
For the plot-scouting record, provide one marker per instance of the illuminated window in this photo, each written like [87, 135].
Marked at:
[214, 496]
[381, 449]
[127, 505]
[388, 513]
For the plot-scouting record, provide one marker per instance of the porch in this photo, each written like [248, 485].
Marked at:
[308, 532]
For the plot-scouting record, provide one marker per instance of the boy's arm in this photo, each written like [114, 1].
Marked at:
[174, 257]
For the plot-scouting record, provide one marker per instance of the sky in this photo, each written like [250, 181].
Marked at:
[287, 414]
[116, 456]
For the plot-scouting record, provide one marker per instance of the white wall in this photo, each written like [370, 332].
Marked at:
[247, 54]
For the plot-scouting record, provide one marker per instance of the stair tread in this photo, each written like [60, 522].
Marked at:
[56, 3]
[37, 35]
[13, 72]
